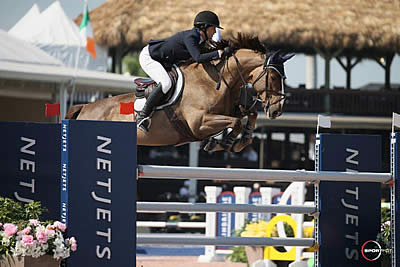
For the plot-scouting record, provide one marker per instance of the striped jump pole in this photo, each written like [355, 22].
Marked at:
[394, 201]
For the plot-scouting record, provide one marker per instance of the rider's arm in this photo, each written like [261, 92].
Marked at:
[192, 45]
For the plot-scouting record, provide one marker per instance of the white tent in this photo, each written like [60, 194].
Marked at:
[17, 51]
[30, 18]
[21, 61]
[56, 34]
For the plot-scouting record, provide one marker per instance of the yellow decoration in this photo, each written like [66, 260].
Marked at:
[255, 229]
[270, 252]
[308, 231]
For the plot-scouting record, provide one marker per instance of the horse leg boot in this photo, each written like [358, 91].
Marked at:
[143, 116]
[247, 134]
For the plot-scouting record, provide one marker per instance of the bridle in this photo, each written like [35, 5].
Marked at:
[275, 67]
[250, 95]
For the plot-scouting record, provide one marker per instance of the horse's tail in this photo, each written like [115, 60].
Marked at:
[74, 111]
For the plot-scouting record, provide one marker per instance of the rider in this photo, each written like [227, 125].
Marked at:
[160, 55]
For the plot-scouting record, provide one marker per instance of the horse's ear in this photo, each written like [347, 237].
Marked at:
[276, 53]
[287, 57]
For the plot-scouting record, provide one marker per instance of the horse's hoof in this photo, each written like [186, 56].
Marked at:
[203, 143]
[212, 143]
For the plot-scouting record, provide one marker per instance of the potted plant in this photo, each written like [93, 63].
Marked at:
[383, 237]
[26, 241]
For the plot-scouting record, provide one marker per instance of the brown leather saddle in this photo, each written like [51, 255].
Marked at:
[144, 86]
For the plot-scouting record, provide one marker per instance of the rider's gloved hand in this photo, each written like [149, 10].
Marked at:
[228, 52]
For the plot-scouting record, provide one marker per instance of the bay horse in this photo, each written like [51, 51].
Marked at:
[208, 106]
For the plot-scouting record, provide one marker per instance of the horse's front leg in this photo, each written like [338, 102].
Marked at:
[247, 133]
[215, 123]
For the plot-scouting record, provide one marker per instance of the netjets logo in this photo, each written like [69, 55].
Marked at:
[371, 250]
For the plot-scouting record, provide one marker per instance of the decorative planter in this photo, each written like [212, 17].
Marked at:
[385, 261]
[44, 261]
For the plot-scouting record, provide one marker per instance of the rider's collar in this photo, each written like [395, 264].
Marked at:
[201, 37]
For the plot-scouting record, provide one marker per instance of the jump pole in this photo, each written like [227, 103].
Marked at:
[348, 201]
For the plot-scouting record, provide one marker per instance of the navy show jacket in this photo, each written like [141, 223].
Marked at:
[179, 47]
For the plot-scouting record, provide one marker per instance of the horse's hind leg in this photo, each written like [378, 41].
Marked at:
[74, 111]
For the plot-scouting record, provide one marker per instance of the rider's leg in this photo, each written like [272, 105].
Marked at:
[143, 116]
[157, 72]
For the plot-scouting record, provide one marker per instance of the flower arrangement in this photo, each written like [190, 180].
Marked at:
[22, 234]
[253, 229]
[36, 239]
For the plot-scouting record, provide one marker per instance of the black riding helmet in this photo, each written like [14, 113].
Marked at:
[207, 18]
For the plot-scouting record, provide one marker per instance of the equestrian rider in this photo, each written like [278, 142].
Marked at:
[160, 55]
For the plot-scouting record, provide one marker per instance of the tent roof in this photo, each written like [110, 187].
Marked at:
[52, 26]
[22, 61]
[365, 27]
[15, 50]
[30, 18]
[54, 74]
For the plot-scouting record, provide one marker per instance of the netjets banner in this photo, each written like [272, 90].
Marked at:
[349, 211]
[30, 164]
[98, 191]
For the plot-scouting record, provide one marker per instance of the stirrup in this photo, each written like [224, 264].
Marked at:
[144, 124]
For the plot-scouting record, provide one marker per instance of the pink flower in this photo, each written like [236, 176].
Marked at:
[41, 237]
[26, 231]
[10, 229]
[73, 243]
[27, 239]
[34, 222]
[49, 232]
[60, 226]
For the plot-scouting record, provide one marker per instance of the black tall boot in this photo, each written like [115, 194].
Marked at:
[143, 116]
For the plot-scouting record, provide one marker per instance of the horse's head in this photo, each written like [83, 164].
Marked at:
[273, 94]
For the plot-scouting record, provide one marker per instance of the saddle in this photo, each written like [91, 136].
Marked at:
[144, 86]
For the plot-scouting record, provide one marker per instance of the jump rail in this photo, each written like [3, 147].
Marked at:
[199, 225]
[214, 207]
[144, 239]
[201, 173]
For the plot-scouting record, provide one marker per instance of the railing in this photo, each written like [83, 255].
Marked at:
[347, 102]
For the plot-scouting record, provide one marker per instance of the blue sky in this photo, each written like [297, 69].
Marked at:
[367, 71]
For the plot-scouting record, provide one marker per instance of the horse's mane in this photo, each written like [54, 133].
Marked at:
[246, 41]
[240, 41]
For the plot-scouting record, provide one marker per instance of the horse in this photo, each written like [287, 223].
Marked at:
[216, 97]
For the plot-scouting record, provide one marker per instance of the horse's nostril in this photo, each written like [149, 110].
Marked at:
[275, 113]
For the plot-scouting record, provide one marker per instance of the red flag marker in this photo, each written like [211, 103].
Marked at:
[127, 108]
[52, 109]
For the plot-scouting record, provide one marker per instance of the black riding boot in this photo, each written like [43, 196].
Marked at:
[143, 116]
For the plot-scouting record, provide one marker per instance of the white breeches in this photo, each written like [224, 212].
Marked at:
[154, 69]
